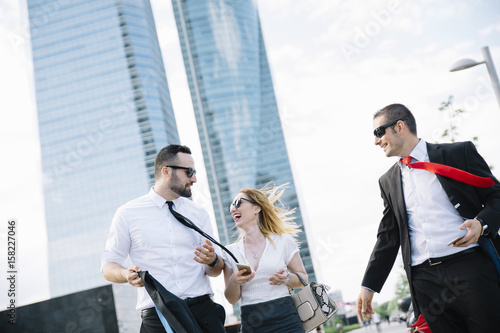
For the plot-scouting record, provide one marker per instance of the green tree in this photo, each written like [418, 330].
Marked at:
[383, 309]
[393, 305]
[402, 286]
[453, 115]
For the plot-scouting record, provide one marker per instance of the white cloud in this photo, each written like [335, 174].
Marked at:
[287, 52]
[490, 29]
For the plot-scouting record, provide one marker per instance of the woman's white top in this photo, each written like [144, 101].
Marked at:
[273, 258]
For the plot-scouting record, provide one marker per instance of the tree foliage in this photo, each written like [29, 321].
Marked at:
[454, 114]
[402, 286]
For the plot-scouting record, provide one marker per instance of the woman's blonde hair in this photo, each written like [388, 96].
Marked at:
[273, 217]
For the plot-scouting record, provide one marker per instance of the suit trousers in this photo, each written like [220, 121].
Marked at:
[209, 315]
[461, 294]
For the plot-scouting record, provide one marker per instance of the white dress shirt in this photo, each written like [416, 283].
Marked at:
[259, 290]
[433, 221]
[156, 241]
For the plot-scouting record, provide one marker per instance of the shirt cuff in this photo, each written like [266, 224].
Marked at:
[368, 289]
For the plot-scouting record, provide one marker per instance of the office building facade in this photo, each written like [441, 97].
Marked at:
[235, 107]
[104, 111]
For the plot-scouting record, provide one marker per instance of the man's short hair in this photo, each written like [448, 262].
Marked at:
[394, 112]
[168, 156]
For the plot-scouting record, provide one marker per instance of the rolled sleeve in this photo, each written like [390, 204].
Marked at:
[118, 242]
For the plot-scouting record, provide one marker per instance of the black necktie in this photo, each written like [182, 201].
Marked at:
[188, 223]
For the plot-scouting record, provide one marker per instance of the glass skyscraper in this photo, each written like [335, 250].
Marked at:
[104, 111]
[235, 107]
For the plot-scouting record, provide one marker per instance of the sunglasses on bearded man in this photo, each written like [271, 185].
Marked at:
[190, 172]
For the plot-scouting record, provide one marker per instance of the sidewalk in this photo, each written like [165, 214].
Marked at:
[394, 327]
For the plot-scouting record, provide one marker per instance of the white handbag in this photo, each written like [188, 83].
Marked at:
[313, 304]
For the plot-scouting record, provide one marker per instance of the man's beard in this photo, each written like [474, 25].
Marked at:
[179, 188]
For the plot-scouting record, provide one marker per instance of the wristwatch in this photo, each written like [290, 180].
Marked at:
[216, 261]
[287, 277]
[485, 230]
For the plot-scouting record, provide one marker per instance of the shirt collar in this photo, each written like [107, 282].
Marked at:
[418, 154]
[161, 201]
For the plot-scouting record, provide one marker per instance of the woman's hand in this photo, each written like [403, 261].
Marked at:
[234, 281]
[279, 277]
[241, 279]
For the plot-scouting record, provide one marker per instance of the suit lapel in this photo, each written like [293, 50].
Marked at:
[397, 185]
[436, 155]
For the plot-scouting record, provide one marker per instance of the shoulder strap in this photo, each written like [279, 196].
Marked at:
[301, 279]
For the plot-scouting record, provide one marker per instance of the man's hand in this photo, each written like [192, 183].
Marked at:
[364, 304]
[132, 276]
[117, 273]
[205, 255]
[474, 229]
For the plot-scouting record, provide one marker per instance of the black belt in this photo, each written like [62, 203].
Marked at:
[148, 312]
[436, 261]
[190, 301]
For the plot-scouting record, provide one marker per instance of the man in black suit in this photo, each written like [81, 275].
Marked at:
[456, 288]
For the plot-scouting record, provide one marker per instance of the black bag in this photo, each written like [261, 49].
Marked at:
[174, 309]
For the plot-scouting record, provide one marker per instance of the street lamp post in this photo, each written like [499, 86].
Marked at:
[467, 63]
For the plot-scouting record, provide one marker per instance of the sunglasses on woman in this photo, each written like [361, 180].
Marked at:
[237, 203]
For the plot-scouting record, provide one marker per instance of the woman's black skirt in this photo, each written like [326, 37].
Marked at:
[279, 315]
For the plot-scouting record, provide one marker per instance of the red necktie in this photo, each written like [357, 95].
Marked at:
[450, 172]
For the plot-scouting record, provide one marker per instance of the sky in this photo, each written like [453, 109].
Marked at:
[334, 63]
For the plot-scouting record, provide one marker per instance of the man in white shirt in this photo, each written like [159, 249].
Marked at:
[145, 230]
[456, 288]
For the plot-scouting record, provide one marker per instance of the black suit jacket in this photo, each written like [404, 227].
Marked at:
[469, 201]
[174, 309]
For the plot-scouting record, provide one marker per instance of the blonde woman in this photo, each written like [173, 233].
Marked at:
[267, 245]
